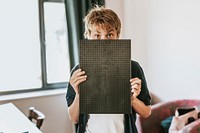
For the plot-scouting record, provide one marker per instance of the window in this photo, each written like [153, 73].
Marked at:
[33, 45]
[56, 38]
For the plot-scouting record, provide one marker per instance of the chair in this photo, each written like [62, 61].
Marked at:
[163, 110]
[36, 116]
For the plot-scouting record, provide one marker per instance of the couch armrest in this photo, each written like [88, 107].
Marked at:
[159, 112]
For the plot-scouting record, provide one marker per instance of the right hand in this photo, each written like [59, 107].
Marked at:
[77, 77]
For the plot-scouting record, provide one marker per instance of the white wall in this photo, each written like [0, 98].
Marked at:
[166, 41]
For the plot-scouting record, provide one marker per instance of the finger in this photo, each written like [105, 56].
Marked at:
[135, 81]
[79, 81]
[132, 91]
[135, 86]
[135, 92]
[78, 70]
[76, 75]
[80, 73]
[78, 78]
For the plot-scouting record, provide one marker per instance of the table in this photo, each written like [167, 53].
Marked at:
[12, 120]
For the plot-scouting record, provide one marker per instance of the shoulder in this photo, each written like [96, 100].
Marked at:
[134, 63]
[136, 69]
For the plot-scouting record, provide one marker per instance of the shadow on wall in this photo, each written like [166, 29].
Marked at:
[154, 99]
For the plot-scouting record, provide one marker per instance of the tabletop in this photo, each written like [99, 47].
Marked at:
[12, 120]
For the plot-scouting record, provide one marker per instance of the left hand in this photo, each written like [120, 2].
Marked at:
[135, 87]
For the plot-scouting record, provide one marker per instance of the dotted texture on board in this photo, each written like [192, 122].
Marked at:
[107, 65]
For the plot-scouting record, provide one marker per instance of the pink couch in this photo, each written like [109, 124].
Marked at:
[163, 110]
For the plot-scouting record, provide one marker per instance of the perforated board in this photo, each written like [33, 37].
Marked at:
[107, 64]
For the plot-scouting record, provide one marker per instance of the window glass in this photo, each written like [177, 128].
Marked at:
[57, 57]
[20, 56]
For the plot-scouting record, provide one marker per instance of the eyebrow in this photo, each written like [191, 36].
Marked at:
[111, 30]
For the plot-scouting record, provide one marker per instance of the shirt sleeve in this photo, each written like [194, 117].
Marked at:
[70, 90]
[137, 71]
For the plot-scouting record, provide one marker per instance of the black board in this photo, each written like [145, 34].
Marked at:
[107, 64]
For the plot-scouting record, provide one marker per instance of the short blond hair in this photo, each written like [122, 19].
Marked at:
[101, 16]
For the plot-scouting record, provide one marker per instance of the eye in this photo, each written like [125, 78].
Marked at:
[110, 35]
[97, 36]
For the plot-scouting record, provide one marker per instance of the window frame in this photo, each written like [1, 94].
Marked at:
[45, 85]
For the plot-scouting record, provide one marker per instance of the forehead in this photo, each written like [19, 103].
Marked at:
[102, 27]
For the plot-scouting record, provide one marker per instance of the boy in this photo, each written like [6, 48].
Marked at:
[103, 23]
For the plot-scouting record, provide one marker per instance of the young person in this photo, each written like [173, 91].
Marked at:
[103, 23]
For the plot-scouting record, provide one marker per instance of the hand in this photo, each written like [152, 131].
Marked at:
[135, 87]
[77, 77]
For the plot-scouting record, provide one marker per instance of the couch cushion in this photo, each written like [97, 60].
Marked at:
[166, 123]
